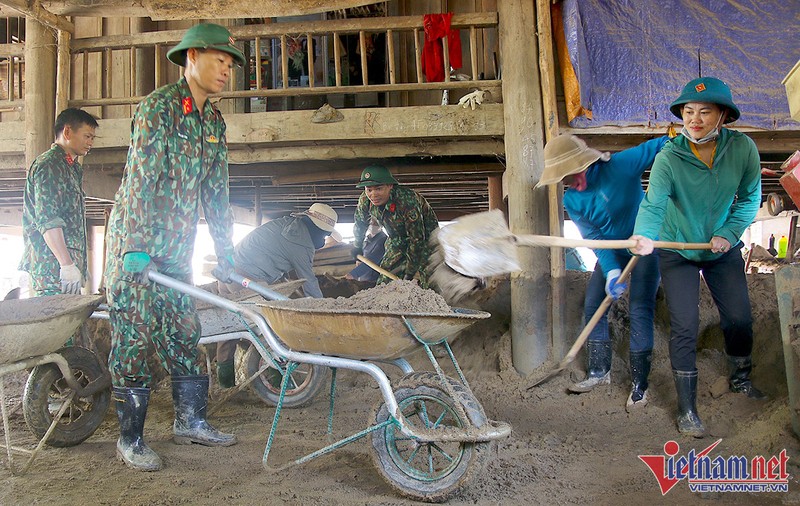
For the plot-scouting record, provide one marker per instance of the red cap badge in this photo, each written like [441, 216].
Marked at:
[188, 106]
[700, 87]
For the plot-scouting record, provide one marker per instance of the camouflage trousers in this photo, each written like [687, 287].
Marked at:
[395, 260]
[147, 319]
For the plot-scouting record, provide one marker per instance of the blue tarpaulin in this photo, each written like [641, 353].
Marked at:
[632, 57]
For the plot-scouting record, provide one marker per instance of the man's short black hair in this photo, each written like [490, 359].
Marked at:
[75, 118]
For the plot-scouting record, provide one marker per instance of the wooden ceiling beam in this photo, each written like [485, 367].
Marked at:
[160, 10]
[35, 10]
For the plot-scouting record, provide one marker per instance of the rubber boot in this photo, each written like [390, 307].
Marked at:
[131, 411]
[640, 371]
[688, 421]
[739, 379]
[599, 367]
[190, 399]
[225, 375]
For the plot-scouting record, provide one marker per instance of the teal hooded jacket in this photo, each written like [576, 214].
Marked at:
[686, 201]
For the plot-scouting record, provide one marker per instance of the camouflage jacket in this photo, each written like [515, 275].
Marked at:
[54, 198]
[176, 162]
[408, 220]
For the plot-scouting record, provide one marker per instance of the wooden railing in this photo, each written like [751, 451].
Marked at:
[404, 31]
[12, 67]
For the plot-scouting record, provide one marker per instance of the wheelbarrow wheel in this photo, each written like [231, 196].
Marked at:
[429, 472]
[46, 391]
[306, 380]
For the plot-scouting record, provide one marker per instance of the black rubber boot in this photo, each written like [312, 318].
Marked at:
[599, 367]
[131, 411]
[640, 371]
[225, 374]
[739, 379]
[190, 399]
[688, 420]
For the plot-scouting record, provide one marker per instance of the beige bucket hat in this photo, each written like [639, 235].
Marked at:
[566, 155]
[322, 215]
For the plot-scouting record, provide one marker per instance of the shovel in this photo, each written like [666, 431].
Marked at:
[481, 245]
[377, 268]
[573, 352]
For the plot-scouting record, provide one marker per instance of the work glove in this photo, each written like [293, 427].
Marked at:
[138, 264]
[70, 279]
[355, 252]
[224, 269]
[614, 288]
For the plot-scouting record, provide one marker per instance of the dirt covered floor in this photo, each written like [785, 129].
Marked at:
[564, 449]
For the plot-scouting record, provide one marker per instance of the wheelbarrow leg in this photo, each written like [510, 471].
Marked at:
[64, 406]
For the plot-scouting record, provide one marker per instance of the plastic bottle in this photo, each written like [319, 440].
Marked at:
[783, 245]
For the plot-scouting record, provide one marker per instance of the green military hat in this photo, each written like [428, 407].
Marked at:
[706, 89]
[205, 36]
[376, 175]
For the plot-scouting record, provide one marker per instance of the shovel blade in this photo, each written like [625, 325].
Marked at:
[479, 245]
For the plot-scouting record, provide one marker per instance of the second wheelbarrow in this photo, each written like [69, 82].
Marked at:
[67, 392]
[429, 434]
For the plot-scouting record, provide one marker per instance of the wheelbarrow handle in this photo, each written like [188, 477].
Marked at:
[259, 289]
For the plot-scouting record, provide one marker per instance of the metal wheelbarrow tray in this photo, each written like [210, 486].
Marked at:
[364, 335]
[429, 435]
[67, 392]
[33, 327]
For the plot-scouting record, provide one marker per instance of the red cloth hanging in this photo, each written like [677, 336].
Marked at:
[437, 26]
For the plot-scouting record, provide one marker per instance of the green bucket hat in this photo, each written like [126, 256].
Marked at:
[706, 89]
[205, 36]
[376, 175]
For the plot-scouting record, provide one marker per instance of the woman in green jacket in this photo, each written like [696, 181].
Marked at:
[705, 186]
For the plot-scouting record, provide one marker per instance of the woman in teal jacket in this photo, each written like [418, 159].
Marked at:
[705, 186]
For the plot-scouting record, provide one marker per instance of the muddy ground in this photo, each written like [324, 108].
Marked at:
[564, 448]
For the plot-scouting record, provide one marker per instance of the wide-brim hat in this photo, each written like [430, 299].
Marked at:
[566, 155]
[322, 215]
[706, 89]
[376, 175]
[205, 36]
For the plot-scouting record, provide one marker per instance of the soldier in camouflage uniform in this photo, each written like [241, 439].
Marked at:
[177, 159]
[406, 217]
[53, 213]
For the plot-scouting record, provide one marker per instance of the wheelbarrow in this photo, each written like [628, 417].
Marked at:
[263, 372]
[429, 434]
[67, 392]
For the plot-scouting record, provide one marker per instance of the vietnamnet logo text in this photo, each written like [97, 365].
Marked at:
[705, 473]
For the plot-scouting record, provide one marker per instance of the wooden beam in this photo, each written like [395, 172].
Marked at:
[354, 174]
[369, 124]
[40, 14]
[555, 192]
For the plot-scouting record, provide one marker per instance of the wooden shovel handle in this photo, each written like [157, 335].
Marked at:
[563, 242]
[596, 316]
[376, 267]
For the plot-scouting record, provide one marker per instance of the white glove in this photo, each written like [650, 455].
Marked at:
[472, 100]
[70, 279]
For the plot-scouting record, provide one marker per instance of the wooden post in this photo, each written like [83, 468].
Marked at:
[555, 192]
[496, 193]
[528, 211]
[257, 204]
[63, 71]
[40, 88]
[144, 78]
